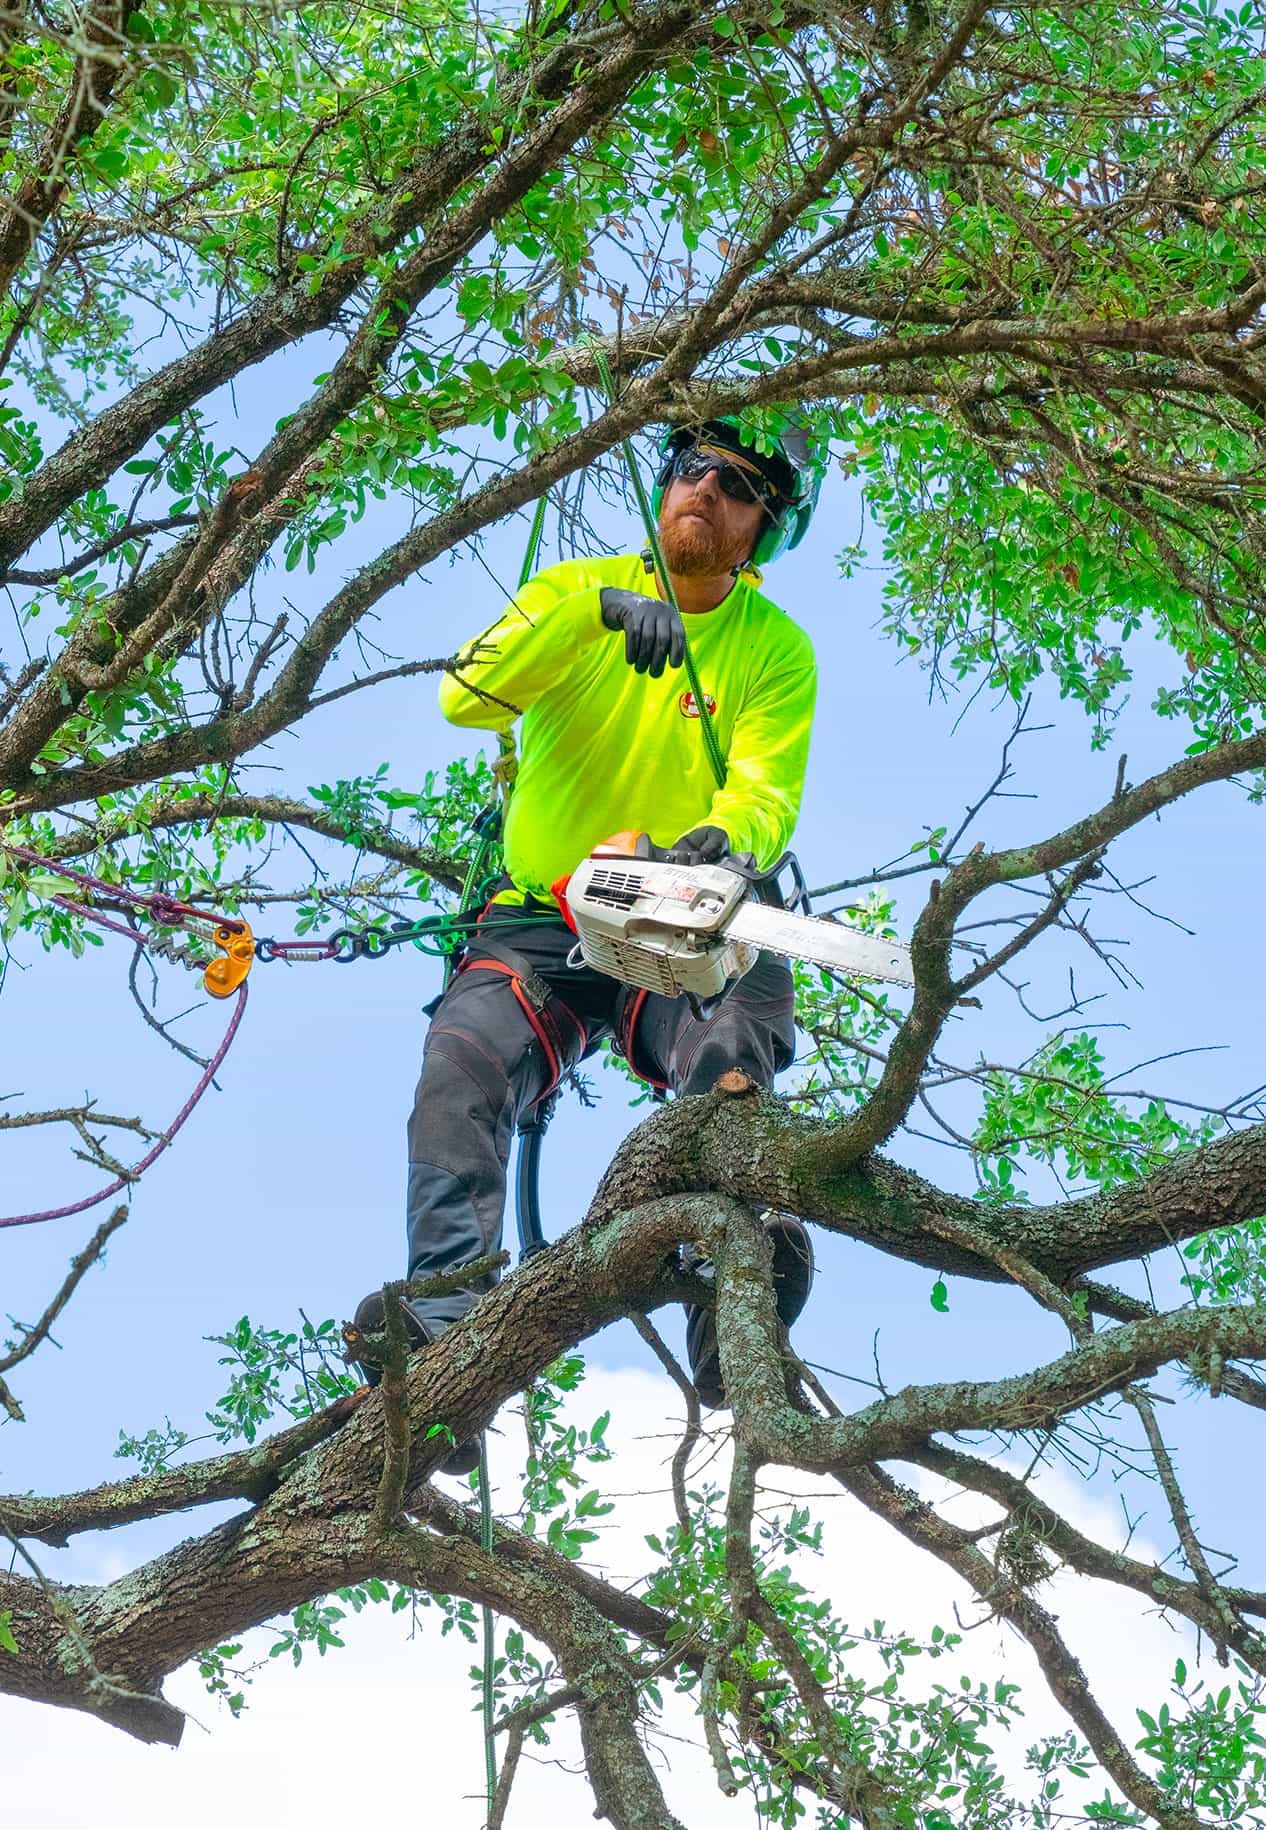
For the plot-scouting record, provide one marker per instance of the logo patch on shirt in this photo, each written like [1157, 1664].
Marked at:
[688, 707]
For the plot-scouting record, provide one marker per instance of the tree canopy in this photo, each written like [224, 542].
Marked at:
[1011, 261]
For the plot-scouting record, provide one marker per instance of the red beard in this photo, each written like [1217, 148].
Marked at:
[696, 548]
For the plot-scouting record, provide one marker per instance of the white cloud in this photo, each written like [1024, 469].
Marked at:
[390, 1724]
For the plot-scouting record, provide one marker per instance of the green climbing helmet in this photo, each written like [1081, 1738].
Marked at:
[784, 458]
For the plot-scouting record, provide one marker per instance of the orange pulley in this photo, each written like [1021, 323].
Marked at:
[223, 976]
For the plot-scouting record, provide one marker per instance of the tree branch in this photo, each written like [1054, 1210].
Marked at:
[921, 1525]
[32, 1337]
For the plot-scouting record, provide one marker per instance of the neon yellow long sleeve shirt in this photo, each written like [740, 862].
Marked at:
[604, 749]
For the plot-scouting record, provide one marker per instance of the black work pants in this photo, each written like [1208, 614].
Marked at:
[513, 1020]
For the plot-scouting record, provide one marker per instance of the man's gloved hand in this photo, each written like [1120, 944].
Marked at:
[653, 631]
[703, 845]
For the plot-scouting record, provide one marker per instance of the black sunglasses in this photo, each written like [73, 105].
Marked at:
[693, 464]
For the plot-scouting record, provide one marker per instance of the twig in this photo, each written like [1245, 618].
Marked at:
[440, 1285]
[1197, 1562]
[539, 1710]
[79, 1264]
[181, 1048]
[945, 853]
[259, 660]
[1060, 896]
[509, 1766]
[137, 530]
[250, 1474]
[726, 1778]
[14, 689]
[405, 671]
[685, 1448]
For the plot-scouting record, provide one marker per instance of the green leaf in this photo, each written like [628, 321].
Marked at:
[939, 1298]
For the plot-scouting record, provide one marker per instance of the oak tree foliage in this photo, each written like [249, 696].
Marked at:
[1012, 258]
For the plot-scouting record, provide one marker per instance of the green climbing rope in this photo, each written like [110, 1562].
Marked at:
[471, 888]
[710, 743]
[489, 1627]
[488, 826]
[534, 541]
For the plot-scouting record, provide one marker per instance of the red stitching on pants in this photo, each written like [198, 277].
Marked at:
[581, 1031]
[631, 1014]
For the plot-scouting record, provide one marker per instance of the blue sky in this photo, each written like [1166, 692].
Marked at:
[284, 1193]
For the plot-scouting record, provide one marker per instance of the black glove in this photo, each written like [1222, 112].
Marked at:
[705, 845]
[653, 631]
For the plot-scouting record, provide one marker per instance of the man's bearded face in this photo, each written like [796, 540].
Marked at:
[703, 532]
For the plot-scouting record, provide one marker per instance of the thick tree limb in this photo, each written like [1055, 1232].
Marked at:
[752, 1148]
[256, 1566]
[246, 1474]
[1103, 1363]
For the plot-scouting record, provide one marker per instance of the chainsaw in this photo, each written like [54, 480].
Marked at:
[691, 930]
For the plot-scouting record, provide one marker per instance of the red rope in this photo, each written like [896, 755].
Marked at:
[138, 1169]
[165, 909]
[168, 913]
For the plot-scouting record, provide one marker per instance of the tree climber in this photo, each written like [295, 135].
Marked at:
[588, 655]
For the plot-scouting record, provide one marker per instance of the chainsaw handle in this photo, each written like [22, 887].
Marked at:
[623, 845]
[767, 885]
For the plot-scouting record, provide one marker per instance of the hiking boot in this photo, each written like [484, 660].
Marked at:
[371, 1318]
[793, 1279]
